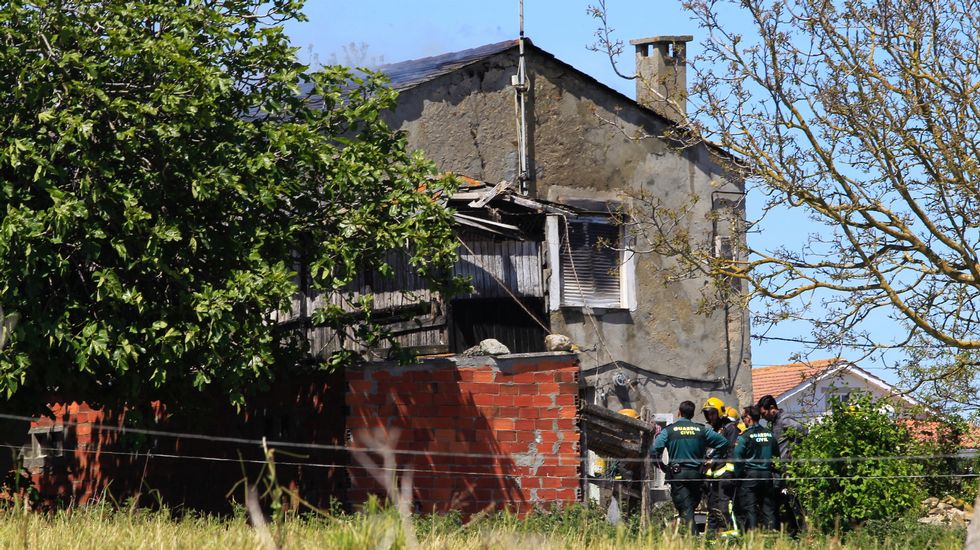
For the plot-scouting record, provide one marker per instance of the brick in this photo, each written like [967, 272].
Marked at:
[360, 386]
[447, 411]
[507, 412]
[548, 388]
[485, 376]
[551, 482]
[483, 399]
[423, 398]
[434, 422]
[547, 495]
[545, 424]
[542, 400]
[527, 389]
[508, 389]
[483, 389]
[570, 388]
[566, 399]
[530, 482]
[567, 424]
[524, 424]
[506, 435]
[566, 376]
[529, 412]
[503, 400]
[447, 398]
[547, 436]
[500, 424]
[567, 495]
[548, 413]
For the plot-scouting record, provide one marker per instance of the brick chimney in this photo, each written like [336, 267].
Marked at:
[661, 68]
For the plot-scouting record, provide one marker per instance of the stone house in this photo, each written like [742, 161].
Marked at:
[553, 163]
[644, 344]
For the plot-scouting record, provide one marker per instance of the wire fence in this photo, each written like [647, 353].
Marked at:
[454, 472]
[259, 443]
[445, 467]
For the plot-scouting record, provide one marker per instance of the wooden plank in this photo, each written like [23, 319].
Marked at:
[614, 435]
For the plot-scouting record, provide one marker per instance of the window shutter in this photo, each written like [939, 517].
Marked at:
[590, 264]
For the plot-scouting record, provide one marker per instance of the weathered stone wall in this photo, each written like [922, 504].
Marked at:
[582, 145]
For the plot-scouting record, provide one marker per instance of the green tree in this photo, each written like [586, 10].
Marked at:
[163, 165]
[840, 475]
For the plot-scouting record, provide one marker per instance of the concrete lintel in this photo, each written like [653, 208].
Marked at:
[672, 38]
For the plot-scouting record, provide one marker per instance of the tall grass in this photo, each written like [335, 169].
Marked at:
[576, 529]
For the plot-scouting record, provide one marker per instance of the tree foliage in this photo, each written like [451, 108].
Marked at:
[163, 165]
[855, 485]
[863, 118]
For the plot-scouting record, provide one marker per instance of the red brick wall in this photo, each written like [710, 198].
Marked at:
[515, 414]
[195, 473]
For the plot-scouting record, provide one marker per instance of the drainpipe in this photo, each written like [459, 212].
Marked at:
[519, 81]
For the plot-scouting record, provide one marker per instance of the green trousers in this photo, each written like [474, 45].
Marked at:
[686, 487]
[756, 500]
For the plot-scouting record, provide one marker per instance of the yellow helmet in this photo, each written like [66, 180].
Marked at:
[714, 403]
[730, 412]
[741, 427]
[630, 413]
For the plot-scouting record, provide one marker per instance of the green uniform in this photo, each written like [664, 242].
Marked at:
[756, 496]
[686, 442]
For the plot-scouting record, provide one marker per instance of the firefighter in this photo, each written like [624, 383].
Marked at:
[686, 442]
[719, 487]
[753, 466]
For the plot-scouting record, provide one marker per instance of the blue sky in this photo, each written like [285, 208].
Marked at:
[400, 30]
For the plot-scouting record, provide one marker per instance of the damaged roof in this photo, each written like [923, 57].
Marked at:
[478, 197]
[410, 73]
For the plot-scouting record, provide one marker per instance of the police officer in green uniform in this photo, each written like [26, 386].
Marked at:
[686, 442]
[756, 495]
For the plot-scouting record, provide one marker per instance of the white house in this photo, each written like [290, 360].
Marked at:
[804, 389]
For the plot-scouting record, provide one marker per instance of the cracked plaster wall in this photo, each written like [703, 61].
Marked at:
[665, 350]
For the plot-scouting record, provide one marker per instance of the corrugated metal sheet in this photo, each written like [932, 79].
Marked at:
[516, 264]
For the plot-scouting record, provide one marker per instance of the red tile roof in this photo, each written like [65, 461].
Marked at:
[927, 431]
[778, 379]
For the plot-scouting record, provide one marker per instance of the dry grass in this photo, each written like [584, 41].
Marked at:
[100, 527]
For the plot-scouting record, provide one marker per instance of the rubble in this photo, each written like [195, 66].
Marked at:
[490, 346]
[947, 511]
[557, 342]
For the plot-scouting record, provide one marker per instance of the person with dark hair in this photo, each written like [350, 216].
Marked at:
[686, 442]
[786, 431]
[753, 455]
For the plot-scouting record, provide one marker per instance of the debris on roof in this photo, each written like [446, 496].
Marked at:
[413, 72]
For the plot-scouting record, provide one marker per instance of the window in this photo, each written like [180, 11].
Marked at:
[590, 264]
